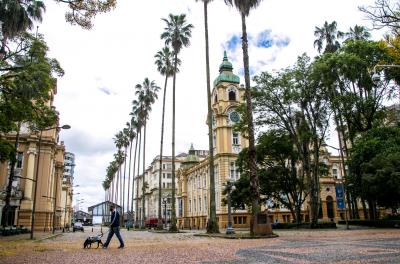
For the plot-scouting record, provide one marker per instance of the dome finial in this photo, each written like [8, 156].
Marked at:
[226, 65]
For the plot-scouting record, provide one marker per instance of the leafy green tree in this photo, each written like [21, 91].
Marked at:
[164, 62]
[177, 33]
[329, 35]
[26, 81]
[375, 168]
[292, 101]
[212, 225]
[279, 180]
[244, 8]
[16, 17]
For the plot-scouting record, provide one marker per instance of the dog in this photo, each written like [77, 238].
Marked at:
[93, 239]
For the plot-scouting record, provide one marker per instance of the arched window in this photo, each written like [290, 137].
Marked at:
[215, 98]
[232, 95]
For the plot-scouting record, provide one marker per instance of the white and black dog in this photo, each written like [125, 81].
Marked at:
[93, 239]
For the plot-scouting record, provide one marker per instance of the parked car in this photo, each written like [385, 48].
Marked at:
[78, 226]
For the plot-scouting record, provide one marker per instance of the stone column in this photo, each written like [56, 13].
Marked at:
[30, 174]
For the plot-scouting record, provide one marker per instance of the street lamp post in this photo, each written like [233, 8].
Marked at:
[37, 174]
[229, 187]
[65, 208]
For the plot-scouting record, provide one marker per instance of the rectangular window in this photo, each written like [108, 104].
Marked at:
[163, 166]
[232, 173]
[163, 184]
[205, 203]
[194, 205]
[200, 204]
[199, 181]
[235, 220]
[163, 175]
[334, 172]
[169, 185]
[240, 220]
[20, 158]
[205, 180]
[169, 175]
[244, 220]
[235, 138]
[190, 205]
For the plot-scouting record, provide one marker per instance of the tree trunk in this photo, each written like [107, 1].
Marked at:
[7, 207]
[173, 226]
[129, 176]
[212, 225]
[364, 208]
[254, 183]
[160, 223]
[144, 178]
[315, 195]
[123, 188]
[137, 183]
[133, 171]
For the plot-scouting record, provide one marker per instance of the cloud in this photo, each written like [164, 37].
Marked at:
[105, 90]
[266, 40]
[81, 142]
[234, 42]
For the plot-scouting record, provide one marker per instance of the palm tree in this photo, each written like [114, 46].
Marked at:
[244, 8]
[125, 144]
[212, 226]
[136, 122]
[119, 159]
[329, 34]
[147, 94]
[177, 33]
[358, 33]
[119, 142]
[130, 134]
[18, 16]
[164, 62]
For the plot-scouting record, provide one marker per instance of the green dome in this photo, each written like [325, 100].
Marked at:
[225, 72]
[225, 65]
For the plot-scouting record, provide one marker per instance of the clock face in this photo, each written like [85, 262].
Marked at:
[234, 117]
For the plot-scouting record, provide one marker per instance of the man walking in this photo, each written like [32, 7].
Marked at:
[114, 228]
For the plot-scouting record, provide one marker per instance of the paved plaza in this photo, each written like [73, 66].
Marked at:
[304, 246]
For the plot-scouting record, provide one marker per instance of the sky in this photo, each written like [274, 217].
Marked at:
[104, 64]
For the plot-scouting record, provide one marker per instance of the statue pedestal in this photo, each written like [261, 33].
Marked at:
[261, 225]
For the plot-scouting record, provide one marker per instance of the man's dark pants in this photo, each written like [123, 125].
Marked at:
[110, 235]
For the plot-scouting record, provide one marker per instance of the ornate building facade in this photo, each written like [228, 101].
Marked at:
[40, 162]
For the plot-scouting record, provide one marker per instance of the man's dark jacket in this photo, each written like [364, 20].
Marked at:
[114, 219]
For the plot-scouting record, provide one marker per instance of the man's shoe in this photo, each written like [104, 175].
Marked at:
[121, 247]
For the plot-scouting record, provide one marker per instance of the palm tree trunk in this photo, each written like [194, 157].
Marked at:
[254, 183]
[129, 176]
[137, 182]
[173, 214]
[159, 223]
[144, 178]
[123, 188]
[212, 226]
[134, 168]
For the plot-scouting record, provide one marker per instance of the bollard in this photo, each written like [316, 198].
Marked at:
[92, 229]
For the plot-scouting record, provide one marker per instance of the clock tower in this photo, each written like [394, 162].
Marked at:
[227, 95]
